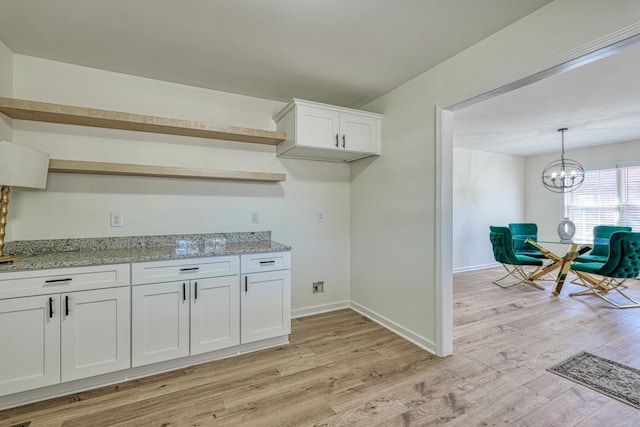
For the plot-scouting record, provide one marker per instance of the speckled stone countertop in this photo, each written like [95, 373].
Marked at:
[58, 253]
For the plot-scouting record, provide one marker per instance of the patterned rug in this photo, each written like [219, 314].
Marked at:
[611, 378]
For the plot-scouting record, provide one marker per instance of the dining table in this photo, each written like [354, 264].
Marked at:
[560, 262]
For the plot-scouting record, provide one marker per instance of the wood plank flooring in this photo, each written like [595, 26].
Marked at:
[342, 369]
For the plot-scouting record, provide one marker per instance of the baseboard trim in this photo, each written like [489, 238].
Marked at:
[397, 329]
[475, 267]
[318, 309]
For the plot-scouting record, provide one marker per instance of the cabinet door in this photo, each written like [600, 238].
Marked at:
[215, 313]
[30, 337]
[360, 133]
[95, 332]
[160, 322]
[317, 127]
[265, 305]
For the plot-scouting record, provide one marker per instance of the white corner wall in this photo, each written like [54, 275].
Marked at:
[393, 200]
[6, 89]
[545, 207]
[79, 205]
[488, 189]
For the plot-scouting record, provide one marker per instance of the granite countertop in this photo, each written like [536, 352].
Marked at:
[42, 254]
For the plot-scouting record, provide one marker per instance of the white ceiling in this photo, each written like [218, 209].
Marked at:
[343, 52]
[599, 103]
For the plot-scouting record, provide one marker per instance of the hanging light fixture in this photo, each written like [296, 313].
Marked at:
[564, 175]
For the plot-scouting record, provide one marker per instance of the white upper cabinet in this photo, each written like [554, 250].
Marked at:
[324, 132]
[317, 127]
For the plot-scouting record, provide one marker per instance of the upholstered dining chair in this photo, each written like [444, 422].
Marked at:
[600, 251]
[601, 236]
[522, 231]
[622, 263]
[502, 243]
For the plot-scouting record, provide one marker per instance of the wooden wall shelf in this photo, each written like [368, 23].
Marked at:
[67, 114]
[101, 168]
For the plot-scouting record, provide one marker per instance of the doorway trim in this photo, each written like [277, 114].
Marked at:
[444, 124]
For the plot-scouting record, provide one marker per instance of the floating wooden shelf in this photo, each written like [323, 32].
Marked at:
[71, 115]
[101, 168]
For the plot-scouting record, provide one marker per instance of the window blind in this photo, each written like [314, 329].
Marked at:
[607, 196]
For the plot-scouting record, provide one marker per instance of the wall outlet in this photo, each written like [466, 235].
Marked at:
[255, 218]
[320, 217]
[117, 219]
[318, 287]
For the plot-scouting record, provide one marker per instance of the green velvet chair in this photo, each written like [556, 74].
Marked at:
[622, 263]
[522, 231]
[502, 243]
[601, 236]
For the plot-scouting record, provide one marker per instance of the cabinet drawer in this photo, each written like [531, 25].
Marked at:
[253, 263]
[183, 269]
[41, 282]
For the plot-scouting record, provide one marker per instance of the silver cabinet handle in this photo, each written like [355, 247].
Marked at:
[344, 141]
[267, 262]
[189, 270]
[337, 143]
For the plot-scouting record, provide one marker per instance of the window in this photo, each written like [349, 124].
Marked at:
[607, 196]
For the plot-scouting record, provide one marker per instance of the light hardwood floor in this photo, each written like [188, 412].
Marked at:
[344, 370]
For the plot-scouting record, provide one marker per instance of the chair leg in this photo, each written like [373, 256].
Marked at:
[519, 274]
[603, 287]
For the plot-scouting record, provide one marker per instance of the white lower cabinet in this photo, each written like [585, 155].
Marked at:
[178, 318]
[51, 338]
[67, 324]
[30, 336]
[160, 322]
[215, 310]
[265, 299]
[95, 332]
[265, 305]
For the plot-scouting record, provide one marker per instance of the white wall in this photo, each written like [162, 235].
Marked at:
[488, 189]
[79, 206]
[393, 204]
[6, 89]
[545, 207]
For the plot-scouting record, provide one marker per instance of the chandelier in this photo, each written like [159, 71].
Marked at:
[564, 175]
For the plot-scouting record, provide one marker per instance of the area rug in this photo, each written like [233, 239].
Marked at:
[611, 378]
